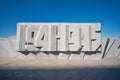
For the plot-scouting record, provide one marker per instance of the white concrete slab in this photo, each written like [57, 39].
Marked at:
[115, 49]
[6, 49]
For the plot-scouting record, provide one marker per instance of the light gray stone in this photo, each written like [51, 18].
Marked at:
[114, 50]
[77, 56]
[53, 56]
[105, 42]
[63, 56]
[96, 56]
[6, 49]
[42, 55]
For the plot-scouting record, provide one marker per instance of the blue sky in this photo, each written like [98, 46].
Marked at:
[106, 12]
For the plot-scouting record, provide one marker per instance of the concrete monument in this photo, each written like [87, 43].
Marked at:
[60, 40]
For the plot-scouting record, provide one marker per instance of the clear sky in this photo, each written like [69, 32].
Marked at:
[106, 12]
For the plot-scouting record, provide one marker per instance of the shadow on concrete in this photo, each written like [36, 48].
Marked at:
[58, 52]
[106, 45]
[61, 74]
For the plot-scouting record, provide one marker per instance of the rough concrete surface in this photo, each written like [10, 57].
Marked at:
[59, 69]
[110, 47]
